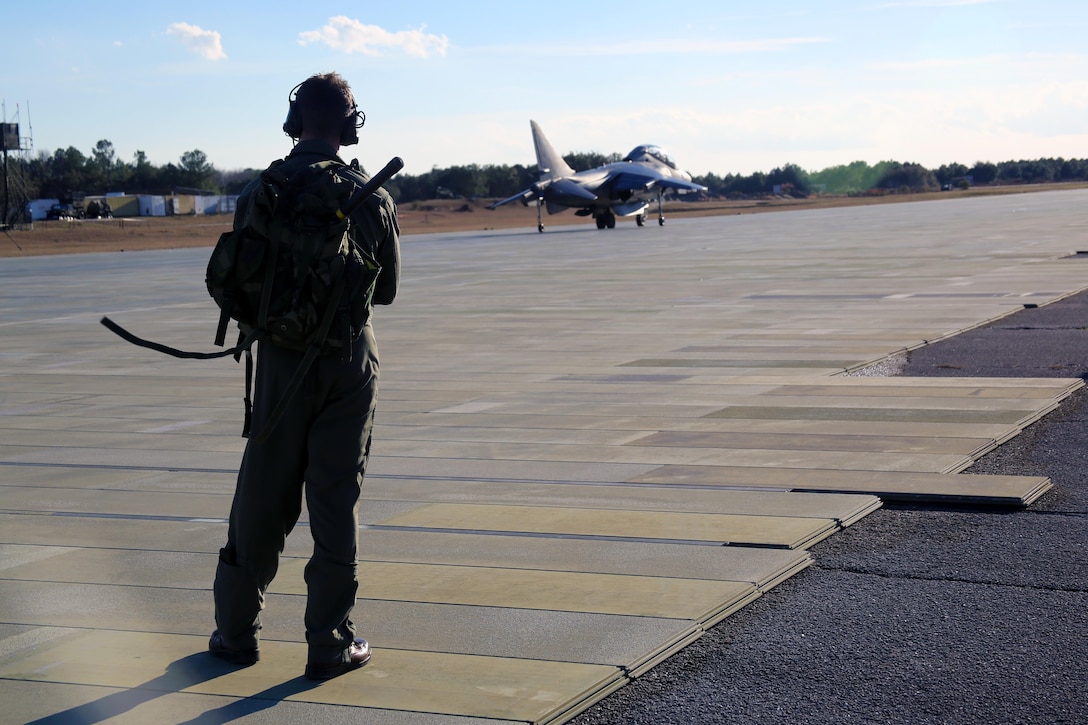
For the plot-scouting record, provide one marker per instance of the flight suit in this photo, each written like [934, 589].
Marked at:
[318, 449]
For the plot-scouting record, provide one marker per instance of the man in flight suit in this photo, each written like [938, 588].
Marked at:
[319, 448]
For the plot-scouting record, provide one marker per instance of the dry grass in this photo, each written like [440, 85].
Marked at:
[118, 235]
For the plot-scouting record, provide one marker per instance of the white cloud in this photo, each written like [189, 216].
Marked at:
[205, 43]
[352, 36]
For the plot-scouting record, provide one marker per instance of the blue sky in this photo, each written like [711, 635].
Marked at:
[725, 87]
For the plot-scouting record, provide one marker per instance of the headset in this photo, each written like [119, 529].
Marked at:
[349, 133]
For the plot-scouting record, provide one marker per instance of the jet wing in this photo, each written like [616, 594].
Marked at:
[641, 183]
[524, 197]
[681, 185]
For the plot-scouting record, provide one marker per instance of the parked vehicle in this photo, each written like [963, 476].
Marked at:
[64, 211]
[99, 209]
[70, 206]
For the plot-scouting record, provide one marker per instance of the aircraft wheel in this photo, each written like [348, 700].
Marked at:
[540, 228]
[601, 222]
[610, 221]
[661, 221]
[640, 220]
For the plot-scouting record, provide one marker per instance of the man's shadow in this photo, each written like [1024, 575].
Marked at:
[186, 672]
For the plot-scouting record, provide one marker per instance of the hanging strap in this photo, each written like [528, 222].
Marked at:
[243, 344]
[221, 328]
[247, 422]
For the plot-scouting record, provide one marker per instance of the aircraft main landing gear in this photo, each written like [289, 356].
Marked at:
[640, 219]
[606, 219]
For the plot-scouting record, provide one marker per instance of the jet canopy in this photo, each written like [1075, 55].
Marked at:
[649, 151]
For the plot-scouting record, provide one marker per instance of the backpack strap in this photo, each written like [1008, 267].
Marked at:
[243, 344]
[247, 422]
[224, 320]
[226, 314]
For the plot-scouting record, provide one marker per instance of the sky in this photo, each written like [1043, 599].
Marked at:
[725, 87]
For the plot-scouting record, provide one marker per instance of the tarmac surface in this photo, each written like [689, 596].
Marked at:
[740, 469]
[921, 614]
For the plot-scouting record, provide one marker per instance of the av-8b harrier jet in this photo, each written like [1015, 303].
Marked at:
[624, 188]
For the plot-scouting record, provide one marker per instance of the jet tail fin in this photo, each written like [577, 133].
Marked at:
[548, 161]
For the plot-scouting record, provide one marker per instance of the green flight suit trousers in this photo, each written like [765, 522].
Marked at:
[319, 448]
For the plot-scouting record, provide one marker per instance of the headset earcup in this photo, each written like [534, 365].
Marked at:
[292, 125]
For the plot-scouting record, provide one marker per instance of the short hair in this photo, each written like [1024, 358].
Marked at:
[324, 101]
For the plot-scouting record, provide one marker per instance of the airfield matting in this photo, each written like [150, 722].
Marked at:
[590, 447]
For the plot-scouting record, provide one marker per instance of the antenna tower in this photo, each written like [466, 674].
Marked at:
[17, 150]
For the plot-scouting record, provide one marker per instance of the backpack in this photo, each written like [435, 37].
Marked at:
[292, 274]
[292, 270]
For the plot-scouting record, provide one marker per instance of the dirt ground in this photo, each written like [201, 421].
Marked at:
[141, 233]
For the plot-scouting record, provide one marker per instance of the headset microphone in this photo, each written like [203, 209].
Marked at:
[349, 134]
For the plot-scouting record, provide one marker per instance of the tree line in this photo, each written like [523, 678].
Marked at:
[891, 177]
[56, 175]
[64, 171]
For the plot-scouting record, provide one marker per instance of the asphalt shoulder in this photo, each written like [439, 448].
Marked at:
[921, 614]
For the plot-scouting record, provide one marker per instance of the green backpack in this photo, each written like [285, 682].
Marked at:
[292, 270]
[291, 274]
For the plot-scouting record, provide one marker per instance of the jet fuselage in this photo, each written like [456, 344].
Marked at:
[623, 188]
